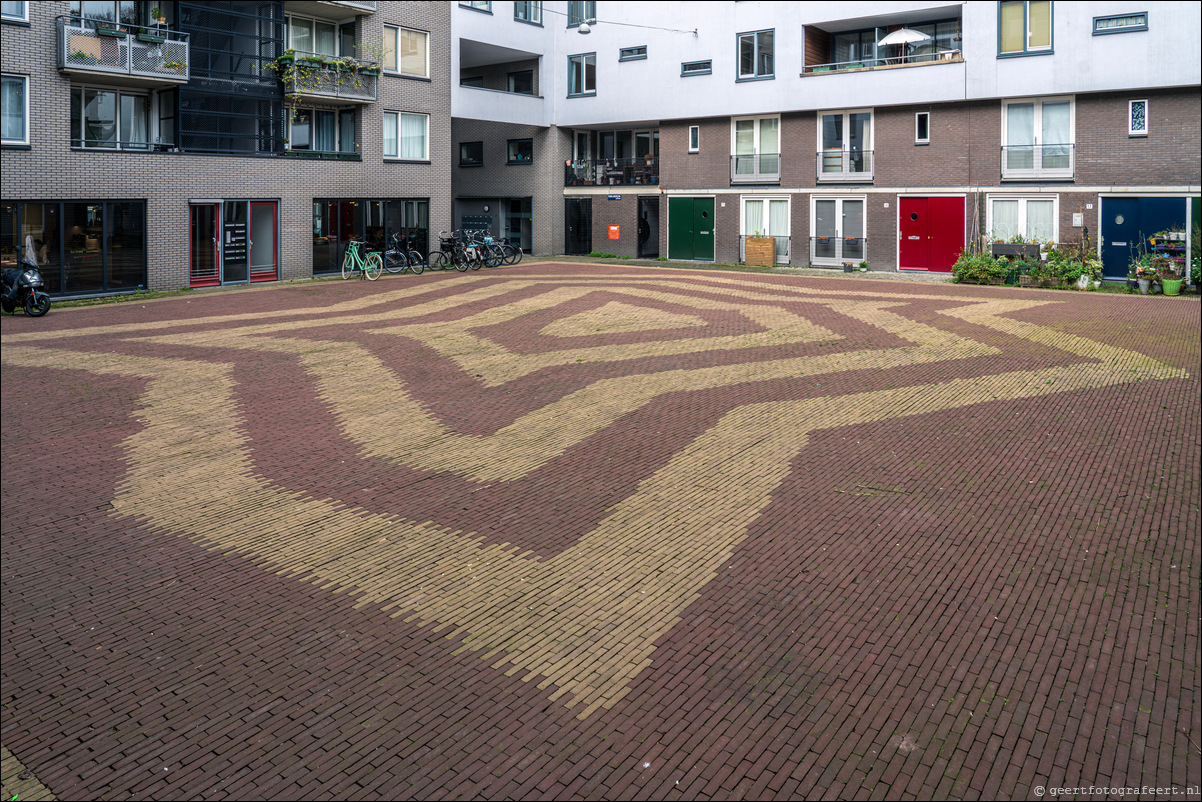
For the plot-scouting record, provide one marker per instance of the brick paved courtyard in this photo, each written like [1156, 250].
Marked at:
[602, 531]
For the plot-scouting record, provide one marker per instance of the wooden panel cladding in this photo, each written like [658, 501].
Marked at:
[817, 46]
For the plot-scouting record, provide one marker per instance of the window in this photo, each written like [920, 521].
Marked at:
[768, 217]
[322, 131]
[694, 138]
[313, 36]
[406, 51]
[1024, 27]
[1137, 118]
[1030, 218]
[475, 80]
[522, 83]
[1037, 138]
[837, 232]
[477, 5]
[521, 151]
[105, 118]
[922, 128]
[528, 11]
[845, 145]
[406, 136]
[755, 55]
[471, 154]
[756, 149]
[688, 68]
[632, 53]
[11, 11]
[582, 75]
[581, 11]
[14, 110]
[1123, 23]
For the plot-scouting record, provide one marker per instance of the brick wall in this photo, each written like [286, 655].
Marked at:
[1169, 154]
[51, 170]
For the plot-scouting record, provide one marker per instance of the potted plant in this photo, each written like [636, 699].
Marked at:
[1132, 280]
[1145, 275]
[760, 250]
[110, 29]
[178, 66]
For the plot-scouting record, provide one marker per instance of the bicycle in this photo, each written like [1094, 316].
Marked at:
[402, 256]
[450, 254]
[488, 249]
[369, 266]
[511, 253]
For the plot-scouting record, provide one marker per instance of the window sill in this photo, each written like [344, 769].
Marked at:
[586, 94]
[1144, 135]
[394, 74]
[923, 143]
[469, 166]
[487, 11]
[394, 160]
[746, 79]
[15, 146]
[1024, 54]
[520, 164]
[528, 22]
[20, 23]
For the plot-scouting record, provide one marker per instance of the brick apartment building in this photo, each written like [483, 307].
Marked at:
[166, 144]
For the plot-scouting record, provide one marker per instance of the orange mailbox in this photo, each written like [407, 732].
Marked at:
[615, 232]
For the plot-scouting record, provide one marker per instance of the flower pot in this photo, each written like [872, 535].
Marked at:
[1171, 286]
[151, 38]
[847, 267]
[113, 32]
[1144, 284]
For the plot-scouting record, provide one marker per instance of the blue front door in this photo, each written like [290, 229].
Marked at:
[1128, 222]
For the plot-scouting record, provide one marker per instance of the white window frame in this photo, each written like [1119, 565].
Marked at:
[24, 79]
[1131, 130]
[781, 258]
[990, 199]
[922, 140]
[23, 17]
[839, 231]
[396, 156]
[392, 36]
[694, 139]
[1039, 172]
[846, 174]
[584, 59]
[755, 55]
[757, 151]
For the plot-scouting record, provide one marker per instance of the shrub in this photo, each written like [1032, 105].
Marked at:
[978, 268]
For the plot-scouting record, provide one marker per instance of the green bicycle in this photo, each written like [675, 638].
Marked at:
[370, 265]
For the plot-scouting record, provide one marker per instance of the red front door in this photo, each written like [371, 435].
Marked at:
[932, 233]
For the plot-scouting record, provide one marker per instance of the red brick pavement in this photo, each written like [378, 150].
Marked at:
[966, 602]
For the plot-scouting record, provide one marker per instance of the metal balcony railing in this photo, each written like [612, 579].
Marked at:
[782, 249]
[1021, 162]
[151, 55]
[611, 172]
[834, 250]
[344, 80]
[838, 164]
[908, 60]
[755, 168]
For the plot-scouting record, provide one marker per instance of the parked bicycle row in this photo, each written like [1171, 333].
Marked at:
[459, 250]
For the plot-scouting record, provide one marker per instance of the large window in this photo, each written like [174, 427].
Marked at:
[845, 145]
[322, 131]
[580, 11]
[1024, 27]
[837, 230]
[1037, 138]
[768, 217]
[1031, 218]
[14, 110]
[582, 75]
[755, 55]
[306, 35]
[406, 136]
[407, 51]
[755, 149]
[105, 118]
[335, 221]
[528, 11]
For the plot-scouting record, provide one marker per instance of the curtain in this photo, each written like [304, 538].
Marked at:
[413, 53]
[1040, 219]
[134, 133]
[324, 137]
[390, 135]
[1020, 136]
[1005, 219]
[12, 103]
[1056, 138]
[325, 40]
[770, 146]
[778, 225]
[391, 47]
[301, 31]
[753, 218]
[413, 136]
[1039, 24]
[346, 131]
[744, 147]
[1012, 25]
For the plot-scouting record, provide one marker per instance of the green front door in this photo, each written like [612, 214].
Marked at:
[691, 229]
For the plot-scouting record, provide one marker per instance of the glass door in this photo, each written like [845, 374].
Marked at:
[837, 231]
[205, 245]
[263, 244]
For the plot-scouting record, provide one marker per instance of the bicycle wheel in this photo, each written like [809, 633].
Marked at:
[395, 262]
[439, 261]
[459, 257]
[374, 266]
[517, 254]
[417, 263]
[493, 255]
[348, 264]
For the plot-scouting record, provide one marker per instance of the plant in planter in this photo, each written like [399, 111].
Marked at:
[178, 66]
[760, 250]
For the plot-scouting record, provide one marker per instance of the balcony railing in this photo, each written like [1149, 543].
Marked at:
[611, 172]
[329, 155]
[147, 56]
[341, 80]
[910, 60]
[836, 250]
[782, 249]
[836, 164]
[1026, 162]
[757, 168]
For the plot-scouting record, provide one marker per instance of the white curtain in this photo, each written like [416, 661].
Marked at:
[390, 135]
[770, 146]
[1020, 135]
[1005, 219]
[413, 136]
[753, 218]
[1040, 219]
[1056, 135]
[778, 225]
[12, 100]
[134, 121]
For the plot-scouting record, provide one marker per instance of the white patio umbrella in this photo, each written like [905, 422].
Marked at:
[904, 37]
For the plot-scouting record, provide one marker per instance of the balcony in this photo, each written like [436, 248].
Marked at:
[1038, 162]
[833, 251]
[849, 166]
[611, 172]
[757, 168]
[331, 9]
[126, 55]
[910, 60]
[336, 81]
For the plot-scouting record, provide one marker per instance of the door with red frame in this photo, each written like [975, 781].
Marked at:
[931, 233]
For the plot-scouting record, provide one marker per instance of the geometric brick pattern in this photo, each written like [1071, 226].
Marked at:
[595, 486]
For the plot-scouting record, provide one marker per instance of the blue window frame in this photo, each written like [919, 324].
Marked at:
[1025, 28]
[1120, 23]
[688, 68]
[756, 56]
[582, 75]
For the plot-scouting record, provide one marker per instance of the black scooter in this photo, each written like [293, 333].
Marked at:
[22, 286]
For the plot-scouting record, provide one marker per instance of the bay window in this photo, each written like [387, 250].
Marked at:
[1037, 138]
[406, 136]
